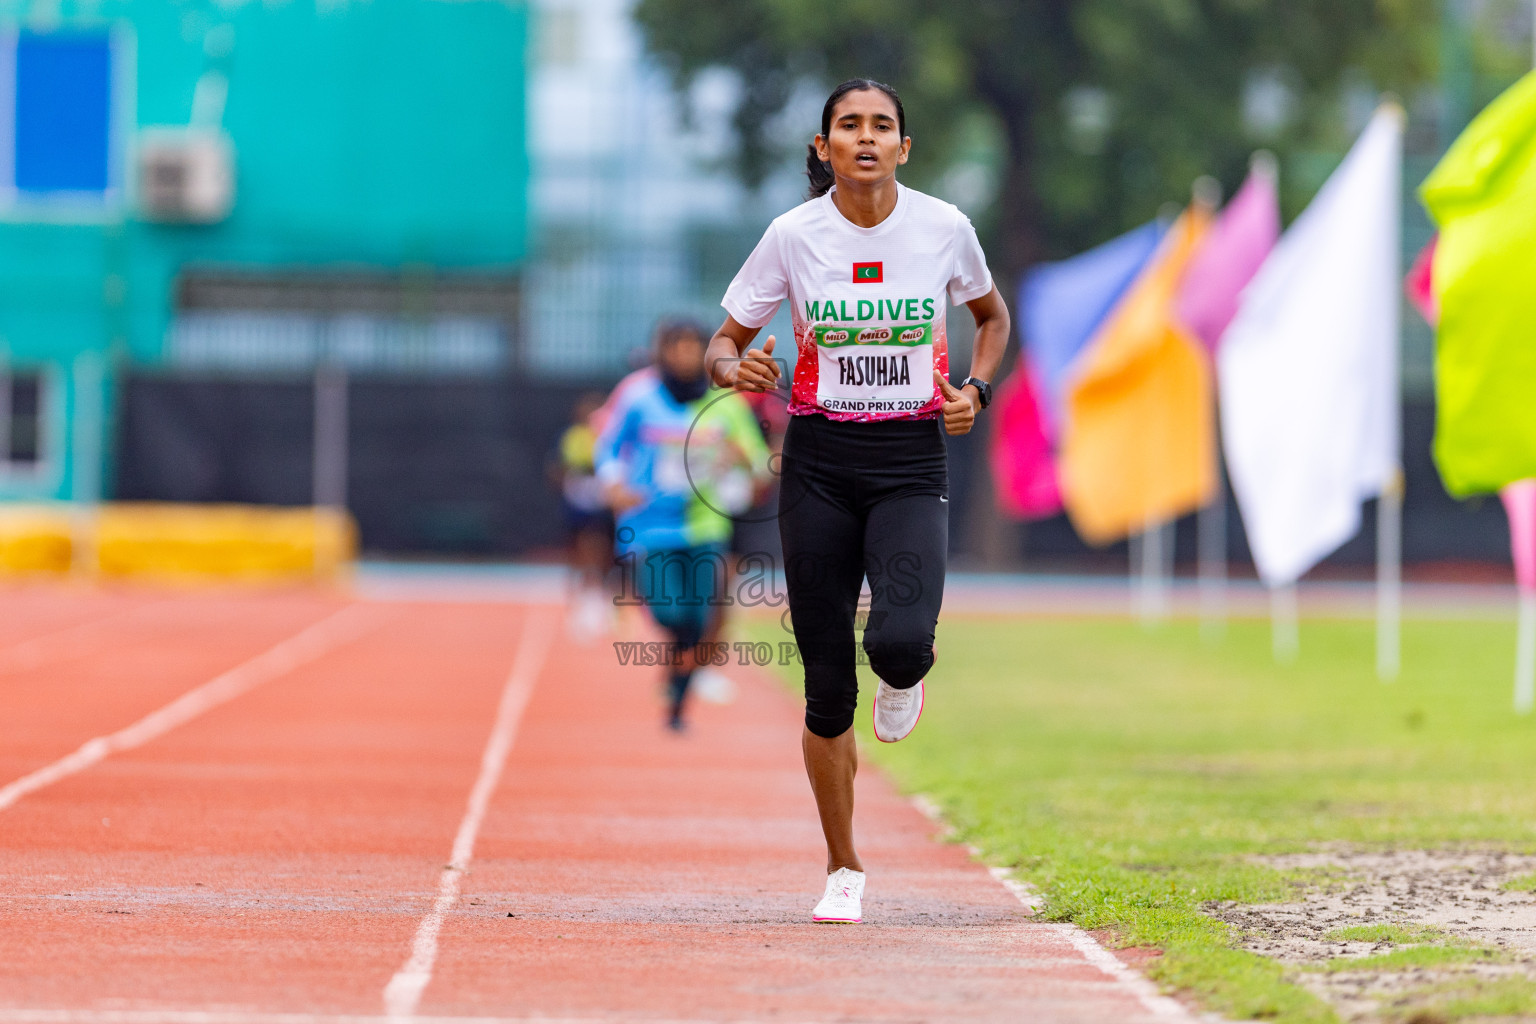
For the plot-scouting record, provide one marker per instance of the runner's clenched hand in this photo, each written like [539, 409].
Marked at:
[959, 407]
[758, 370]
[619, 498]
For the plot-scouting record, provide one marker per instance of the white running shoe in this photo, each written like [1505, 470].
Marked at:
[591, 617]
[897, 711]
[714, 686]
[842, 903]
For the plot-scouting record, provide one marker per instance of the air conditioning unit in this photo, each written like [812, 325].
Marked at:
[185, 175]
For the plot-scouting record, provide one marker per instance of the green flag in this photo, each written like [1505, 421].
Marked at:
[1483, 196]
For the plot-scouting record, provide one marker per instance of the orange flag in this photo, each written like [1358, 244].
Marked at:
[1140, 440]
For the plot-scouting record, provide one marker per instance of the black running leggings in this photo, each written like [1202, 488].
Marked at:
[856, 500]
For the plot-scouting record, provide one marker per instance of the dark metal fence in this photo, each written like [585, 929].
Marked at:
[456, 466]
[461, 466]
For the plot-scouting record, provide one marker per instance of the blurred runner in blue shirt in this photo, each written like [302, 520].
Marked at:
[675, 461]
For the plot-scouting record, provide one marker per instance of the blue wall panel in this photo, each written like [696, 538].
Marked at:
[63, 112]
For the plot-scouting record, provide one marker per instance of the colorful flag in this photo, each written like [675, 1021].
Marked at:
[1231, 254]
[1519, 497]
[1483, 197]
[1138, 442]
[1023, 467]
[1520, 505]
[1308, 368]
[1062, 304]
[1419, 284]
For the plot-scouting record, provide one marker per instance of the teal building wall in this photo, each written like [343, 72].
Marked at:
[376, 134]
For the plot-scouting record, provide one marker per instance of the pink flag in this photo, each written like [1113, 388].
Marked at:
[1023, 467]
[1520, 505]
[1237, 243]
[1419, 284]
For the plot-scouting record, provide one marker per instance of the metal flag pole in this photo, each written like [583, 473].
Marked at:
[1211, 518]
[1150, 550]
[330, 456]
[1389, 578]
[1525, 643]
[1285, 633]
[1134, 564]
[1389, 507]
[1519, 499]
[1165, 577]
[330, 437]
[87, 435]
[1154, 569]
[1211, 524]
[1525, 654]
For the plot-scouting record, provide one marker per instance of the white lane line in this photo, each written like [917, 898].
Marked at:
[299, 649]
[403, 993]
[57, 644]
[1158, 1005]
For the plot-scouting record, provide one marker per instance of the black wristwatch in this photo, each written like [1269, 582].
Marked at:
[983, 389]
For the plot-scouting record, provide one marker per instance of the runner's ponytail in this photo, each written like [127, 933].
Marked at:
[820, 173]
[818, 170]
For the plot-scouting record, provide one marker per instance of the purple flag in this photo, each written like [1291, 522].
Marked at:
[1062, 304]
[1237, 244]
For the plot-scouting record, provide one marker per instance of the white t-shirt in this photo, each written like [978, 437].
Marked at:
[868, 304]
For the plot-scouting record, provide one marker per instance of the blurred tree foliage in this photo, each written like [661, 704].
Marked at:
[1090, 114]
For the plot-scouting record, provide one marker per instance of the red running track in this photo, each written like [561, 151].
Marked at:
[278, 856]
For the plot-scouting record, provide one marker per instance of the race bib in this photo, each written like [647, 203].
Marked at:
[874, 369]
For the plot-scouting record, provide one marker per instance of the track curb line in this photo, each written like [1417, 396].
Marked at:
[1160, 1006]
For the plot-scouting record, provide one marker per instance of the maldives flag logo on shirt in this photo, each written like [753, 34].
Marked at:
[869, 273]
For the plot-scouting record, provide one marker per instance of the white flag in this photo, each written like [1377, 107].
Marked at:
[1308, 368]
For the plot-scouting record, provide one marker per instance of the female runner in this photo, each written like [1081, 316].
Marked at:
[868, 267]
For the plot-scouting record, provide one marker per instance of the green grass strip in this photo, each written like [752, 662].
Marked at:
[1416, 956]
[1400, 934]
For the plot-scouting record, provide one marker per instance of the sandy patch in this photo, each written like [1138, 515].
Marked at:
[1457, 892]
